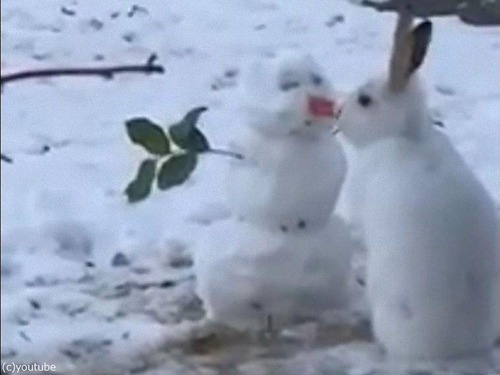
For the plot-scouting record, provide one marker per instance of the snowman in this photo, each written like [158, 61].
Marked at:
[281, 256]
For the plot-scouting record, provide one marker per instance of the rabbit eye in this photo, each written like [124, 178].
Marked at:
[290, 85]
[316, 79]
[365, 100]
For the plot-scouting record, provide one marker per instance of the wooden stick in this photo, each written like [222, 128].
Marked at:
[106, 72]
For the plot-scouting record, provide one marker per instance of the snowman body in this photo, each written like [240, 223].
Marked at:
[280, 254]
[254, 273]
[287, 183]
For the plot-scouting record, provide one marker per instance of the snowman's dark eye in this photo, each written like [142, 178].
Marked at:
[289, 85]
[316, 80]
[364, 100]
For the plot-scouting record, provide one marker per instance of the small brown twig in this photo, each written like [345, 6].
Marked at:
[106, 72]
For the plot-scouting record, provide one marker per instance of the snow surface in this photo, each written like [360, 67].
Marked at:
[64, 207]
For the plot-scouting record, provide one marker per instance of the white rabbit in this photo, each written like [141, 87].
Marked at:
[428, 223]
[294, 167]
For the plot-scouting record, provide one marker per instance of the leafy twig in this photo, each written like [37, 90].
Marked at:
[176, 153]
[106, 72]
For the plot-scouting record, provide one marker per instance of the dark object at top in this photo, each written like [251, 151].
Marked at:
[472, 12]
[480, 13]
[419, 8]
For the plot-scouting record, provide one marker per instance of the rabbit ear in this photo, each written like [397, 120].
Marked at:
[401, 50]
[409, 49]
[421, 37]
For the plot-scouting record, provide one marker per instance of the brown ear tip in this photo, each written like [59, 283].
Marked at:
[425, 26]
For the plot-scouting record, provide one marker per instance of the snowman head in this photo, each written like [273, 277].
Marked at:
[288, 94]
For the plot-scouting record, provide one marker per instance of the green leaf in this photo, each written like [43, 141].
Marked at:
[149, 135]
[187, 125]
[186, 135]
[195, 141]
[176, 170]
[191, 118]
[140, 187]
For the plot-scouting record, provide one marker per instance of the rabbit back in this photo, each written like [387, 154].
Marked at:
[431, 233]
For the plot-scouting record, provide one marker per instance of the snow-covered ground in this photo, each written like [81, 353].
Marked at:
[68, 295]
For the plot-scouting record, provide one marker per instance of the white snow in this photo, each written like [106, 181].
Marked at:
[69, 199]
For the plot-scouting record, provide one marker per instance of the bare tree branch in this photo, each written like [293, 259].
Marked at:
[106, 72]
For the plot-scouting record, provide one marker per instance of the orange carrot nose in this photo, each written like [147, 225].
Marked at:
[321, 107]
